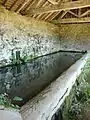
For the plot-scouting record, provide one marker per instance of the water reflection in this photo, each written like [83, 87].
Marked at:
[27, 80]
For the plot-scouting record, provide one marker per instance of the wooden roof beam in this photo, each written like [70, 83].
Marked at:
[79, 12]
[84, 14]
[62, 6]
[53, 16]
[64, 13]
[4, 2]
[23, 5]
[72, 20]
[73, 13]
[53, 2]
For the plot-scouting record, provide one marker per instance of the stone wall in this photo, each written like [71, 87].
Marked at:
[75, 36]
[32, 38]
[36, 38]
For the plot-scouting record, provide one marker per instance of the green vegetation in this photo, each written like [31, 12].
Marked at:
[6, 101]
[78, 101]
[16, 59]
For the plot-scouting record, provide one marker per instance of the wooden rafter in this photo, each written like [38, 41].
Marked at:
[33, 2]
[79, 12]
[13, 5]
[73, 13]
[64, 13]
[48, 10]
[45, 4]
[53, 2]
[63, 6]
[43, 17]
[84, 14]
[54, 15]
[39, 4]
[51, 16]
[23, 5]
[48, 16]
[4, 2]
[72, 20]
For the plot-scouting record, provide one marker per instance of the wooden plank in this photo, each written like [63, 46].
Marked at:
[15, 6]
[72, 20]
[39, 4]
[23, 5]
[53, 16]
[27, 6]
[34, 2]
[4, 2]
[84, 14]
[44, 16]
[64, 13]
[56, 8]
[8, 4]
[53, 2]
[45, 4]
[73, 13]
[48, 16]
[79, 12]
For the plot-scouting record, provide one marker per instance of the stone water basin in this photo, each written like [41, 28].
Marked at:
[27, 80]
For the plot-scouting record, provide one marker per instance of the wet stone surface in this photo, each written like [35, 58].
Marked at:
[26, 80]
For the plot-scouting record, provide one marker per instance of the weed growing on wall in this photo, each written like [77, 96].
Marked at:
[7, 103]
[16, 59]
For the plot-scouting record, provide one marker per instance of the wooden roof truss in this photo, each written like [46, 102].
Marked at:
[55, 11]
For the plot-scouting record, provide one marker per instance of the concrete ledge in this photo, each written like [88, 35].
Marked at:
[45, 104]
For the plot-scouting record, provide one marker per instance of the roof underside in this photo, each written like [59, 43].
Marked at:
[55, 11]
